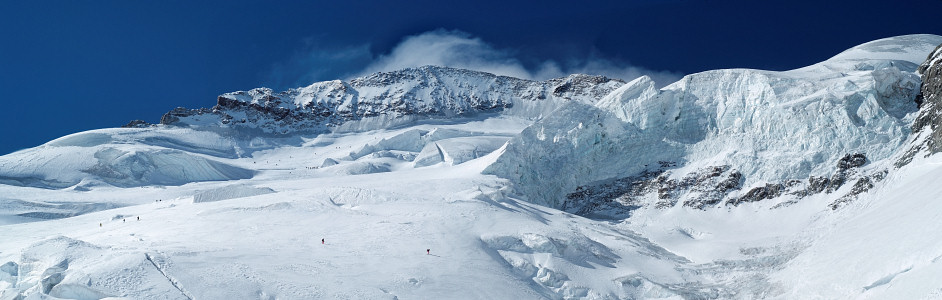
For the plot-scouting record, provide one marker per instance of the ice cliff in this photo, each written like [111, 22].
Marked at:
[768, 127]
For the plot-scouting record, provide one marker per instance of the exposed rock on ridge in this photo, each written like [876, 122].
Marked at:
[711, 186]
[391, 97]
[928, 139]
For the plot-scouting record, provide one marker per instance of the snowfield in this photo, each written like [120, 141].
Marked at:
[480, 206]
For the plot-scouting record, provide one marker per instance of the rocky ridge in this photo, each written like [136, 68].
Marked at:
[387, 98]
[713, 186]
[928, 139]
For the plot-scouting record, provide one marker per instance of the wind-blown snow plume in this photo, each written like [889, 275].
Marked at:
[451, 49]
[448, 48]
[461, 50]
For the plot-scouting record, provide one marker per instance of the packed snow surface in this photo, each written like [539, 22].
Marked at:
[467, 208]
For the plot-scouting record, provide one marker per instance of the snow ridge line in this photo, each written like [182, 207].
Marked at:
[441, 153]
[173, 281]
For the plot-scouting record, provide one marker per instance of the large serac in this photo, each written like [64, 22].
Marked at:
[749, 134]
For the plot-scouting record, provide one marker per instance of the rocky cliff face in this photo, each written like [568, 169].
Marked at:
[928, 137]
[386, 98]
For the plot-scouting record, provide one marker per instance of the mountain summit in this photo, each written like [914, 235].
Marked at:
[389, 98]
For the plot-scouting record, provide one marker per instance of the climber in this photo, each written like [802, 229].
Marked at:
[322, 241]
[428, 251]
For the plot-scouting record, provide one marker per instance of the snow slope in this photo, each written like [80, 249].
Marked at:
[884, 247]
[260, 239]
[125, 158]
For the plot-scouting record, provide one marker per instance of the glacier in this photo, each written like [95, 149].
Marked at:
[769, 126]
[435, 182]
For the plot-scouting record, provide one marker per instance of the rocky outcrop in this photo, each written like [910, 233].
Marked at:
[137, 124]
[768, 191]
[851, 161]
[830, 184]
[698, 189]
[173, 116]
[709, 187]
[862, 185]
[847, 169]
[928, 139]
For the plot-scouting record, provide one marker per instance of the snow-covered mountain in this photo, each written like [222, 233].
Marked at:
[437, 182]
[385, 99]
[754, 134]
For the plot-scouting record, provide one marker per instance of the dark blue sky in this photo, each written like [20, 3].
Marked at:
[70, 66]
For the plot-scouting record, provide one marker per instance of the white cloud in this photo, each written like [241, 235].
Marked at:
[445, 48]
[448, 48]
[460, 50]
